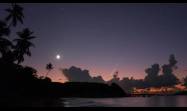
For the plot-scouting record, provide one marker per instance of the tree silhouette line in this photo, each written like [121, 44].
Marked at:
[17, 79]
[11, 52]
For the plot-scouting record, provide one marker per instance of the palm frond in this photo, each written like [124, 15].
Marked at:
[31, 37]
[15, 14]
[20, 19]
[8, 10]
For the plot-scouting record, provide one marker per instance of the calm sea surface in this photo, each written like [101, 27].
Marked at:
[154, 101]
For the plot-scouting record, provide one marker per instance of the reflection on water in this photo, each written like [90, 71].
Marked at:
[154, 101]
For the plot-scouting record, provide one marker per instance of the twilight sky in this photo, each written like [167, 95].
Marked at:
[104, 37]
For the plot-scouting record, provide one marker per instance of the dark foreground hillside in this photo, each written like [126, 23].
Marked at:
[73, 89]
[86, 89]
[20, 86]
[49, 94]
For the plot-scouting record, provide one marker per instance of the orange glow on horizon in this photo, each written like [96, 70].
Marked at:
[57, 76]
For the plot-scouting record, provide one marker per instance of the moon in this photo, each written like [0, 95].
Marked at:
[58, 56]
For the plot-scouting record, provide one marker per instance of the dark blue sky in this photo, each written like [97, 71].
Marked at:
[104, 37]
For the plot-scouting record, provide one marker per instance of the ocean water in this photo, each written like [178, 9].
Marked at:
[154, 101]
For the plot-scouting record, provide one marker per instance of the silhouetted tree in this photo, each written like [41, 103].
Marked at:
[4, 30]
[49, 67]
[30, 71]
[28, 76]
[15, 79]
[9, 52]
[15, 14]
[45, 79]
[23, 44]
[115, 78]
[5, 44]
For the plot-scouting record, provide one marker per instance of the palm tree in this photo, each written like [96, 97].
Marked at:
[4, 30]
[23, 44]
[49, 67]
[15, 14]
[5, 44]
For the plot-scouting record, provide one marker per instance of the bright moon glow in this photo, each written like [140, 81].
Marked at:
[58, 56]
